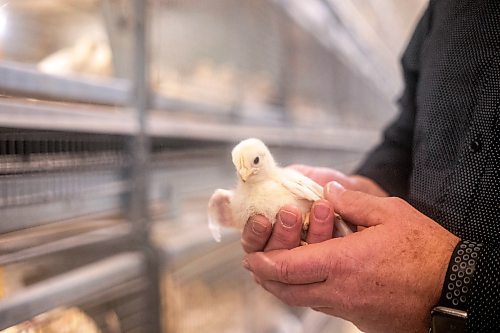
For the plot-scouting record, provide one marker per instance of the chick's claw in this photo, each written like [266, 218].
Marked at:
[305, 224]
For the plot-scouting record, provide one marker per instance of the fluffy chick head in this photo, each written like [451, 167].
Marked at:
[252, 160]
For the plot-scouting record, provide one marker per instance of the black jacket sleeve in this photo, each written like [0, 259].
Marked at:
[390, 163]
[472, 281]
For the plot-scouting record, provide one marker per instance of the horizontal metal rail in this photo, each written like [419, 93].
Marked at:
[88, 238]
[70, 288]
[23, 114]
[168, 126]
[15, 113]
[19, 79]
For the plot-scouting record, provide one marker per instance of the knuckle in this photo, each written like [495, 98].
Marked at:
[373, 214]
[347, 200]
[283, 271]
[287, 238]
[315, 236]
[323, 272]
[395, 201]
[343, 198]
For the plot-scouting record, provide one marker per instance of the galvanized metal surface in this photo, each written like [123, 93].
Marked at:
[93, 237]
[138, 200]
[69, 288]
[23, 80]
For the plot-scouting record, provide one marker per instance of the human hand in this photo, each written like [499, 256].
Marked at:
[385, 278]
[323, 176]
[259, 235]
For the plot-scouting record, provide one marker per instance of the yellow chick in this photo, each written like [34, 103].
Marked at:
[263, 188]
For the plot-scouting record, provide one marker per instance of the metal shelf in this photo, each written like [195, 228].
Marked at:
[22, 80]
[25, 80]
[102, 235]
[70, 288]
[161, 125]
[42, 115]
[15, 113]
[55, 178]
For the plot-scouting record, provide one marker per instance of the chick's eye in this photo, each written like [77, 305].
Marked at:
[256, 160]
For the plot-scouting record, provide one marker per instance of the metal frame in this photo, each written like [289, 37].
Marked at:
[86, 282]
[102, 235]
[27, 81]
[138, 202]
[108, 120]
[129, 109]
[116, 186]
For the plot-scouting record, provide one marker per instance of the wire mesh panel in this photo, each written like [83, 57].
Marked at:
[254, 62]
[77, 50]
[220, 52]
[62, 175]
[74, 242]
[107, 295]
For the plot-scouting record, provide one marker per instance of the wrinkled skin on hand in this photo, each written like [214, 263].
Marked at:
[385, 278]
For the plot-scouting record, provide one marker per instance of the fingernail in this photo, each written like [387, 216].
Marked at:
[258, 227]
[335, 187]
[321, 211]
[245, 264]
[287, 219]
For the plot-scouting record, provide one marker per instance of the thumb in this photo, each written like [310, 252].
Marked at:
[355, 207]
[301, 265]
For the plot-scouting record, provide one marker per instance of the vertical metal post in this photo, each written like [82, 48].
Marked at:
[138, 211]
[140, 154]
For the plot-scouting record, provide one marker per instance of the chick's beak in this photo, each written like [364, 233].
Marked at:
[245, 173]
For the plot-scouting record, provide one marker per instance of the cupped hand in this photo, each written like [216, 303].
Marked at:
[385, 278]
[259, 235]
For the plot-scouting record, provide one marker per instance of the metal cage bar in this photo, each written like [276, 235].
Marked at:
[69, 288]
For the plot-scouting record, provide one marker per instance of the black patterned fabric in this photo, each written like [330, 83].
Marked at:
[442, 153]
